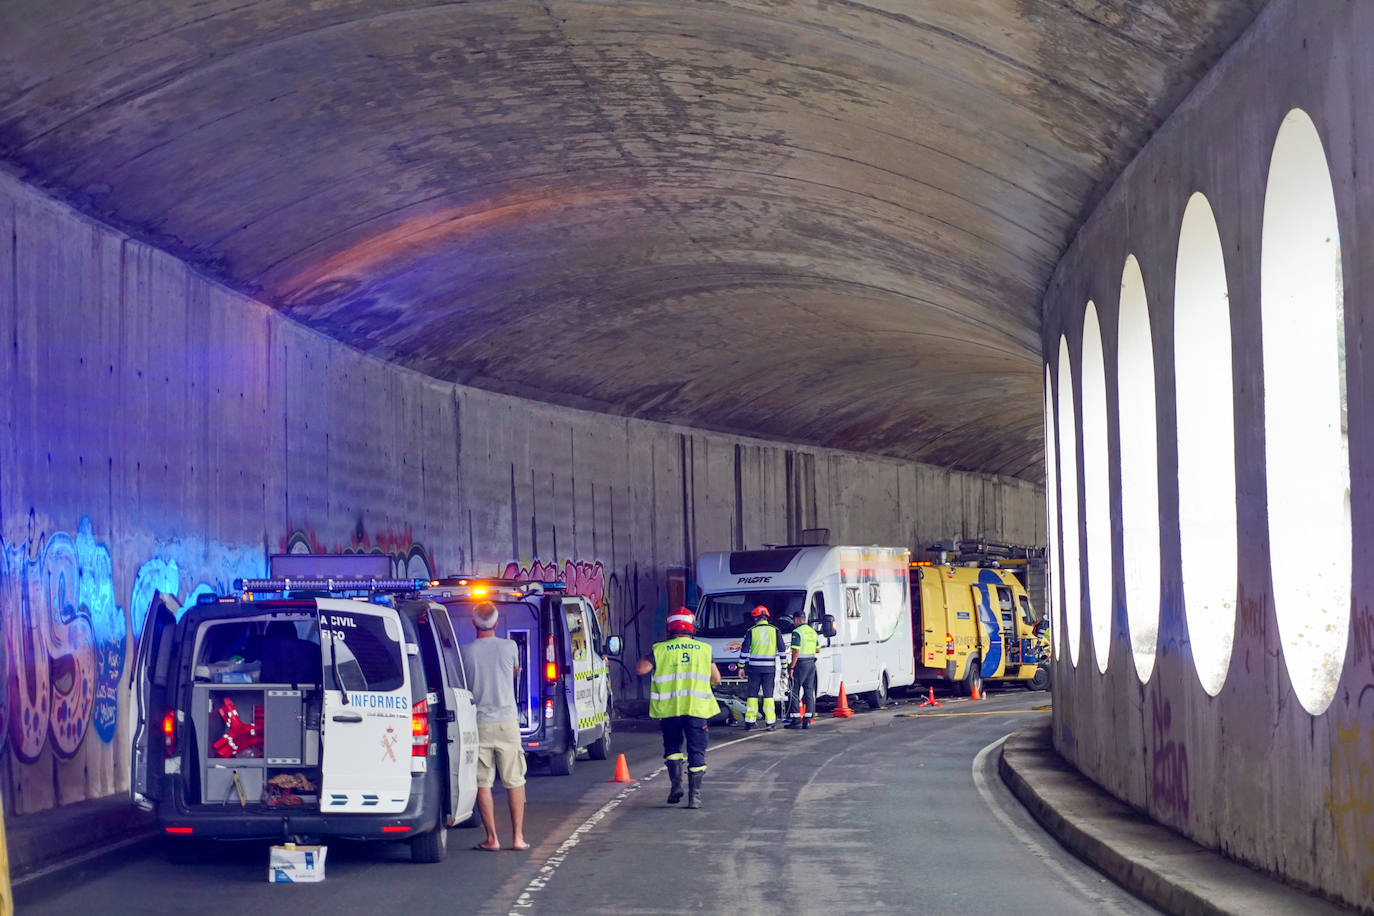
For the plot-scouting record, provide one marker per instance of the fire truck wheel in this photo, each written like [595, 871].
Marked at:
[973, 678]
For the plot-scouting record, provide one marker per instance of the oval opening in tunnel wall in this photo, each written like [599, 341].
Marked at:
[1136, 420]
[1307, 452]
[1051, 511]
[1068, 502]
[1204, 394]
[1097, 510]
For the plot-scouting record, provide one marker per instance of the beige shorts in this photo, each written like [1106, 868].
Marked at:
[499, 751]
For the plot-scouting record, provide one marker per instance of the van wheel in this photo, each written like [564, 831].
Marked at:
[430, 847]
[877, 699]
[973, 678]
[562, 764]
[600, 749]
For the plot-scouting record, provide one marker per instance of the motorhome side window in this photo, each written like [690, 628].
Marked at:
[851, 602]
[817, 612]
[364, 656]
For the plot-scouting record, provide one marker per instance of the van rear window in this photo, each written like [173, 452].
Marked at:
[357, 647]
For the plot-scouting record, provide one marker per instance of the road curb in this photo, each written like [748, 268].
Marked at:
[48, 841]
[1143, 856]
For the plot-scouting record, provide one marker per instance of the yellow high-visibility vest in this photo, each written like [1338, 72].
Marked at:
[681, 683]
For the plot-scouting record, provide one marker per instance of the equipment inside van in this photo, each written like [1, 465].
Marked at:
[329, 705]
[563, 688]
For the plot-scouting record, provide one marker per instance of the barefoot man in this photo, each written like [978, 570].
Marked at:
[492, 663]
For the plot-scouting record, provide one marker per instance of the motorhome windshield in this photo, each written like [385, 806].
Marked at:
[727, 613]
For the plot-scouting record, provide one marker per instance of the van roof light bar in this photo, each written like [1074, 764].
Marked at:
[329, 585]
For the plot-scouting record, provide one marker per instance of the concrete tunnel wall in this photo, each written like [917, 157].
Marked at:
[161, 432]
[1248, 771]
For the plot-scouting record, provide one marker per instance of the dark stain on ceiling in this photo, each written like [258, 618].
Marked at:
[822, 222]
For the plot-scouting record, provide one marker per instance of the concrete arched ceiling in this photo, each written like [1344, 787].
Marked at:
[825, 222]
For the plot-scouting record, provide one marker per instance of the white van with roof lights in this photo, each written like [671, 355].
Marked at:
[328, 703]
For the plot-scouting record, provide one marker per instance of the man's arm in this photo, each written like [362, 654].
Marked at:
[715, 674]
[644, 666]
[796, 649]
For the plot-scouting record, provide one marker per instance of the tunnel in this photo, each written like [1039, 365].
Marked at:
[577, 290]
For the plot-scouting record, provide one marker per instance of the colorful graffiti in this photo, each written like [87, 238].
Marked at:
[409, 559]
[1351, 797]
[1170, 764]
[64, 639]
[67, 641]
[585, 579]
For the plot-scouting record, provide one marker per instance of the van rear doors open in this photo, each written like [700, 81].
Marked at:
[366, 730]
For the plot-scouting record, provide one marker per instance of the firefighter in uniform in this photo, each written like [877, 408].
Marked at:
[680, 699]
[758, 654]
[805, 643]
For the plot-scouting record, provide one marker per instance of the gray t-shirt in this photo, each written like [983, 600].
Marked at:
[491, 663]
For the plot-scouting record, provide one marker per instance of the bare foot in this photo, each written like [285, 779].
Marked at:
[520, 846]
[483, 847]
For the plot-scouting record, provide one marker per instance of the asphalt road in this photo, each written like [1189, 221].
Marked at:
[894, 810]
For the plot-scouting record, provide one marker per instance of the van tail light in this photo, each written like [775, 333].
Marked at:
[180, 831]
[169, 732]
[419, 729]
[550, 662]
[548, 708]
[949, 644]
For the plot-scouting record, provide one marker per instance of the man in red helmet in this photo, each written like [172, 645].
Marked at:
[680, 699]
[758, 653]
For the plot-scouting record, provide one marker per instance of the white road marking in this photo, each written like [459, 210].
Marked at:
[526, 900]
[1029, 840]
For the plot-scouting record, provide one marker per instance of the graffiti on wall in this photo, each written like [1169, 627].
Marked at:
[582, 578]
[409, 559]
[64, 641]
[1351, 797]
[68, 643]
[1170, 764]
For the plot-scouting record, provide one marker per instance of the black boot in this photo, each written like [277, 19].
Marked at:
[694, 788]
[675, 774]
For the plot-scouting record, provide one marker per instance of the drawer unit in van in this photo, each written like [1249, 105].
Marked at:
[278, 714]
[220, 788]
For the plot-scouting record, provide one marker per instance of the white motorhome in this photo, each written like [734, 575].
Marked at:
[856, 598]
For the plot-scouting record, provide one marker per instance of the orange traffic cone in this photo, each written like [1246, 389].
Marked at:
[842, 710]
[930, 700]
[622, 770]
[976, 694]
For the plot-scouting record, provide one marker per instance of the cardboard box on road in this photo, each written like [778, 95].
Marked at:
[296, 864]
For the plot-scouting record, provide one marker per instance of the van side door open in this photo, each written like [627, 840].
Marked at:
[366, 728]
[462, 723]
[151, 667]
[586, 689]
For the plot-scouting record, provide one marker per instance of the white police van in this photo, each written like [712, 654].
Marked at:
[563, 689]
[329, 700]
